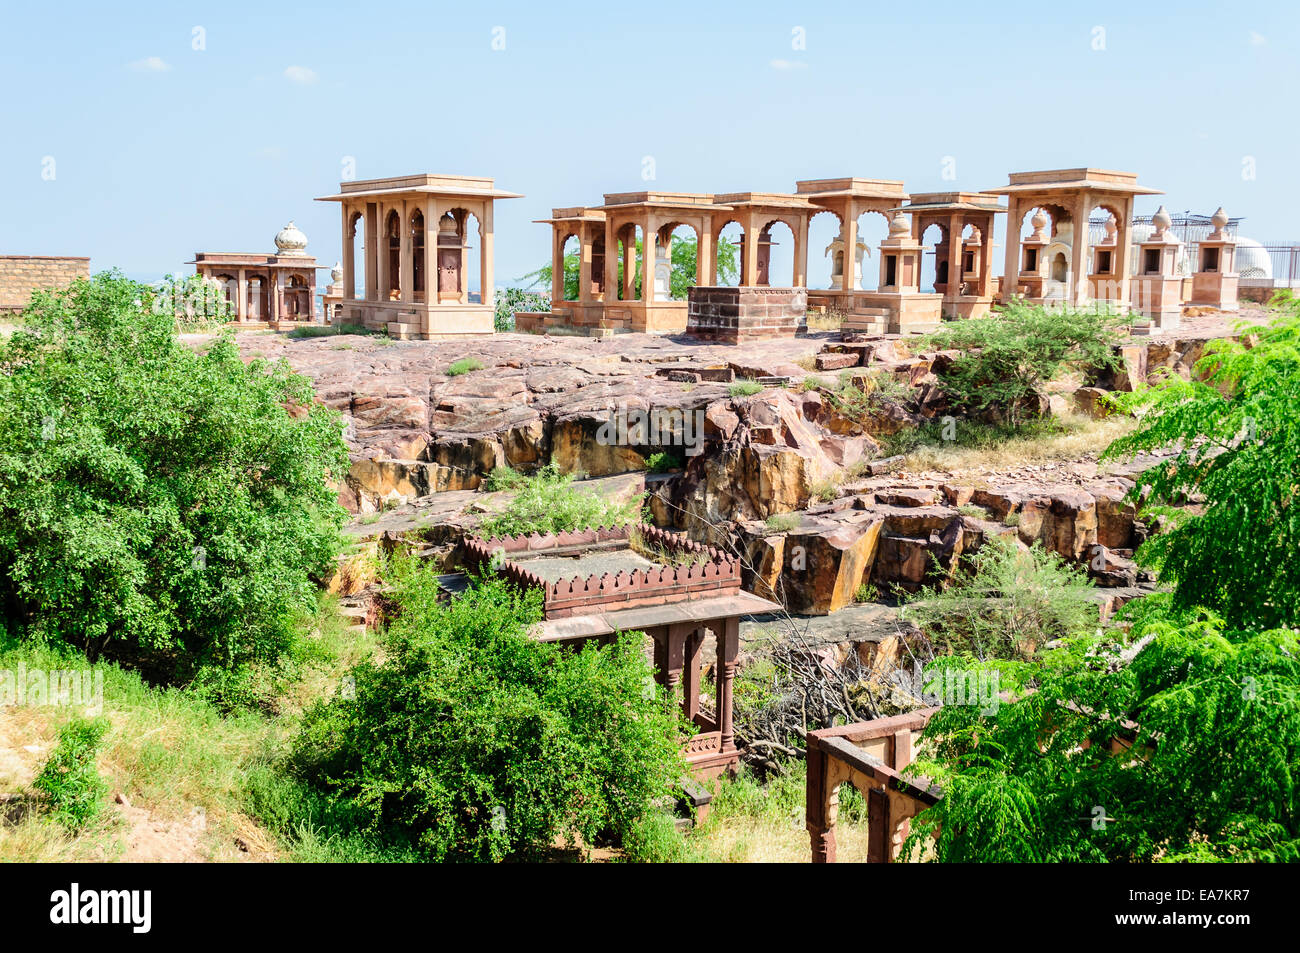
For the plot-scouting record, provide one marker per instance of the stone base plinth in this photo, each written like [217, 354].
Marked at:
[1214, 290]
[747, 313]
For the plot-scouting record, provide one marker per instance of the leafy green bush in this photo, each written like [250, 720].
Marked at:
[663, 462]
[1237, 436]
[157, 504]
[1008, 355]
[1009, 603]
[70, 780]
[464, 366]
[1183, 745]
[744, 388]
[547, 502]
[474, 741]
[504, 478]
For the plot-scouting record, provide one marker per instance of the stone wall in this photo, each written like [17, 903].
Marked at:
[20, 275]
[735, 315]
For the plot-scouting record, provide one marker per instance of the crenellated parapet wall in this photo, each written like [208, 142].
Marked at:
[709, 572]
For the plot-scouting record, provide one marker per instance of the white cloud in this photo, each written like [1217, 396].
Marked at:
[1257, 39]
[301, 75]
[787, 64]
[150, 64]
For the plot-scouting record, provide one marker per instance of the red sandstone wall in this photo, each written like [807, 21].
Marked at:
[20, 275]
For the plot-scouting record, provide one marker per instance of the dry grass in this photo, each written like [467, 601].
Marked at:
[1079, 437]
[825, 320]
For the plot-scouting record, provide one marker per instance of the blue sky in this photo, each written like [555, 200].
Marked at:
[160, 149]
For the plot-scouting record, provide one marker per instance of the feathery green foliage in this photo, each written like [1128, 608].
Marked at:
[1236, 428]
[1183, 745]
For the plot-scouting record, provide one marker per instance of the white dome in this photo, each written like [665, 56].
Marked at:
[290, 240]
[336, 273]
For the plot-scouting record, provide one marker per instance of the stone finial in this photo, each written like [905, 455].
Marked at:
[899, 227]
[447, 225]
[336, 273]
[1112, 228]
[1220, 220]
[290, 240]
[1039, 222]
[1161, 222]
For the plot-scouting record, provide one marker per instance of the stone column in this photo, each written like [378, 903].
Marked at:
[405, 255]
[558, 239]
[728, 635]
[799, 277]
[371, 251]
[705, 253]
[431, 213]
[349, 256]
[849, 230]
[486, 280]
[277, 295]
[819, 813]
[584, 263]
[649, 255]
[243, 296]
[880, 828]
[1124, 251]
[1011, 275]
[611, 263]
[956, 224]
[1078, 293]
[749, 268]
[385, 280]
[986, 253]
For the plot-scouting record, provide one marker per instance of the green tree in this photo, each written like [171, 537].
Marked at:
[1183, 745]
[474, 741]
[684, 254]
[510, 300]
[1007, 356]
[158, 504]
[1236, 430]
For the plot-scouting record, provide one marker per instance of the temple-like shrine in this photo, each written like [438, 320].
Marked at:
[685, 597]
[425, 256]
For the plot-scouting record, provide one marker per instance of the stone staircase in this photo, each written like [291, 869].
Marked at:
[867, 320]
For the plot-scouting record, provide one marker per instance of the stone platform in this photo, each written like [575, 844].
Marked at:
[747, 313]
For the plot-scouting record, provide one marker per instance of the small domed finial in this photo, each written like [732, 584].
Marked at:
[1039, 221]
[1219, 218]
[290, 240]
[336, 273]
[1161, 221]
[899, 226]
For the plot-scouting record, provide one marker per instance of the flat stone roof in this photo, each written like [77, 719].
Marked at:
[252, 258]
[648, 617]
[590, 562]
[462, 186]
[679, 200]
[860, 188]
[951, 201]
[1096, 180]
